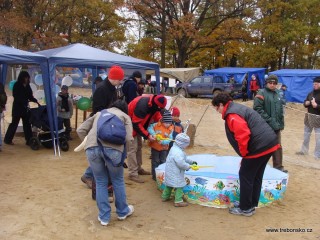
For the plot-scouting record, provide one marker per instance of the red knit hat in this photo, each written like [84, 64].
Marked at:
[175, 112]
[116, 73]
[160, 101]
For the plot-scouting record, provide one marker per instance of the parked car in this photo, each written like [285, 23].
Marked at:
[207, 85]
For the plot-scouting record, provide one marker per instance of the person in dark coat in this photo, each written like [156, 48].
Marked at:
[269, 105]
[22, 94]
[106, 93]
[312, 120]
[130, 88]
[255, 141]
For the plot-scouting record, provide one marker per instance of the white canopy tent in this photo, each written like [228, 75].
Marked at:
[182, 74]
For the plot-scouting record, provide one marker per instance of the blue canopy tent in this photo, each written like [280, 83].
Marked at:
[9, 55]
[238, 73]
[83, 56]
[298, 81]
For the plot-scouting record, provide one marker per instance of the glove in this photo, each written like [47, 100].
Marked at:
[194, 167]
[194, 163]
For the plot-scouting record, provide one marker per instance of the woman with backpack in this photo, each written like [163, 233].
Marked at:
[106, 160]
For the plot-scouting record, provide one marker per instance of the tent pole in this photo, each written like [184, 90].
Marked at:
[202, 115]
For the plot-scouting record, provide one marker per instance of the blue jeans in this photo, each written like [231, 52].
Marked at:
[306, 141]
[101, 169]
[88, 173]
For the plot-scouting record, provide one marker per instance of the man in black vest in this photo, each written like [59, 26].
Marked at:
[255, 141]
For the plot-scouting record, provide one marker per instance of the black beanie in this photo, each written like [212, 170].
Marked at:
[137, 74]
[317, 79]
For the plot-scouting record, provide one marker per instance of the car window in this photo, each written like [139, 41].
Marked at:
[196, 80]
[207, 80]
[218, 79]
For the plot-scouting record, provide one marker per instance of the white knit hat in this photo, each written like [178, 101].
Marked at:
[182, 140]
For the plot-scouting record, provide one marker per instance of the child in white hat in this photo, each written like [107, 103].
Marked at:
[176, 165]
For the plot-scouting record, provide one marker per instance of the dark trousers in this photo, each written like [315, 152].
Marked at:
[250, 175]
[277, 155]
[254, 93]
[13, 128]
[67, 125]
[157, 158]
[244, 96]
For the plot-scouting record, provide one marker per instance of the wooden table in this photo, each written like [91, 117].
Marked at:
[84, 115]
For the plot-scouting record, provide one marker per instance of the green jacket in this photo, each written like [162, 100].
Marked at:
[268, 104]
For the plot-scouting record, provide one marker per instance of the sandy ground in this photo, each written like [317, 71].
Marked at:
[42, 197]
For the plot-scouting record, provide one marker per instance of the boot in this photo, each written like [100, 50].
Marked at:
[143, 172]
[136, 179]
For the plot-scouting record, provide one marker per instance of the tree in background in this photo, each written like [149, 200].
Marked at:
[186, 26]
[285, 35]
[42, 24]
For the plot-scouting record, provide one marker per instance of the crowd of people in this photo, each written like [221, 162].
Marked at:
[254, 133]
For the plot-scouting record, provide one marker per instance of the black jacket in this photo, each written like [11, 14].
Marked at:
[130, 89]
[310, 119]
[22, 95]
[103, 97]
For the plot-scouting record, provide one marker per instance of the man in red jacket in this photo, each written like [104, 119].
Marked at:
[143, 111]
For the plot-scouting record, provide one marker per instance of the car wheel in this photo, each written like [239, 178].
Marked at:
[182, 92]
[34, 143]
[216, 92]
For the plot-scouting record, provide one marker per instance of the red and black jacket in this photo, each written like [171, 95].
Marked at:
[248, 133]
[143, 111]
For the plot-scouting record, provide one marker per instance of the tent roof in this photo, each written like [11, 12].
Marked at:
[82, 55]
[297, 72]
[11, 55]
[234, 70]
[183, 74]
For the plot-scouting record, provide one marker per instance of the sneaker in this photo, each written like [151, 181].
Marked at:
[181, 204]
[102, 222]
[131, 210]
[143, 172]
[136, 179]
[238, 211]
[236, 204]
[87, 181]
